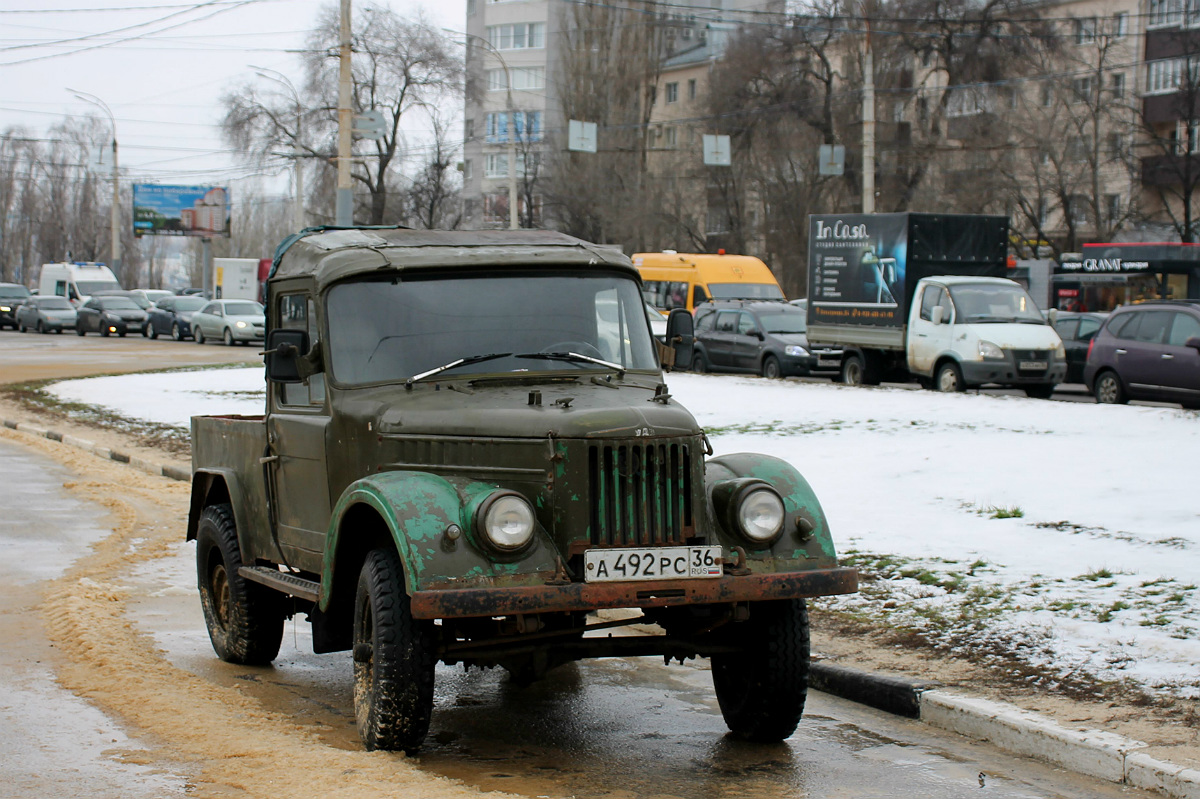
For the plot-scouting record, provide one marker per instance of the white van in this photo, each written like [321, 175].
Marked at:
[76, 281]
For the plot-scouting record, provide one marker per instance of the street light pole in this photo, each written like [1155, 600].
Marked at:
[510, 131]
[344, 211]
[115, 249]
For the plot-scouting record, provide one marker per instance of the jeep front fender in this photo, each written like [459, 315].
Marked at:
[806, 536]
[419, 509]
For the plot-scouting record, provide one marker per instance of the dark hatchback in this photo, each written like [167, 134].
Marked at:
[759, 337]
[11, 297]
[1149, 351]
[1076, 331]
[110, 314]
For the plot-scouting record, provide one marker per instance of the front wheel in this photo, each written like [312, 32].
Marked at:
[79, 331]
[770, 368]
[949, 378]
[244, 619]
[699, 365]
[762, 688]
[198, 335]
[853, 370]
[393, 659]
[1042, 391]
[228, 337]
[1109, 389]
[41, 328]
[151, 331]
[176, 333]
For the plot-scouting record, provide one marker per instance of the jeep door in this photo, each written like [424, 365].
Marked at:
[296, 433]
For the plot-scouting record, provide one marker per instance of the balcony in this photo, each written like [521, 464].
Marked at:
[1169, 170]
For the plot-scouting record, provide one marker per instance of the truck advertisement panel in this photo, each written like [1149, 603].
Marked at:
[180, 210]
[856, 268]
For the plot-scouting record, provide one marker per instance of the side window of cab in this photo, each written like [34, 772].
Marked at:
[931, 297]
[296, 312]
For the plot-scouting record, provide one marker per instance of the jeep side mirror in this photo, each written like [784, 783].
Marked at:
[284, 350]
[938, 315]
[681, 336]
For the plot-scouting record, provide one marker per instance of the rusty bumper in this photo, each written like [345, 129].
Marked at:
[466, 602]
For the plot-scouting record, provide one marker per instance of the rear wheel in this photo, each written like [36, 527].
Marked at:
[770, 367]
[762, 688]
[393, 659]
[853, 370]
[949, 378]
[79, 331]
[1043, 391]
[1109, 389]
[244, 619]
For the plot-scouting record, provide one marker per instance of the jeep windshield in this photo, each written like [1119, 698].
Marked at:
[391, 330]
[994, 303]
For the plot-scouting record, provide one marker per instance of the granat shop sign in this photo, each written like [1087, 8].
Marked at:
[1093, 265]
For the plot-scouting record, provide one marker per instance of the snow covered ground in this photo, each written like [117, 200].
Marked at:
[1065, 536]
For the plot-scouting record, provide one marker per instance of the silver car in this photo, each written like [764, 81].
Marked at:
[229, 321]
[44, 314]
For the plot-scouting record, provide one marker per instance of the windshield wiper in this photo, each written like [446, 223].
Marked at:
[574, 357]
[454, 365]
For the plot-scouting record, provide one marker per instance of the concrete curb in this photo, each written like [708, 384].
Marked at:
[1008, 727]
[1091, 752]
[136, 461]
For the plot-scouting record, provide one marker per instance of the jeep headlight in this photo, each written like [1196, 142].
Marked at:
[990, 351]
[505, 521]
[794, 349]
[760, 515]
[241, 324]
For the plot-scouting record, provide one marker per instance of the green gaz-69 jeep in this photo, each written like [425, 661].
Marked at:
[468, 446]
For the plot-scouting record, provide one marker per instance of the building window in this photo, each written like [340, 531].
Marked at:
[1077, 209]
[1085, 30]
[518, 36]
[1043, 211]
[1120, 24]
[672, 92]
[469, 129]
[1112, 207]
[1047, 95]
[1166, 12]
[692, 89]
[1164, 76]
[1116, 146]
[496, 126]
[671, 136]
[1081, 89]
[1077, 148]
[495, 165]
[527, 126]
[523, 78]
[470, 7]
[466, 169]
[1116, 84]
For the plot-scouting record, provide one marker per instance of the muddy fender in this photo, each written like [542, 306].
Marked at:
[806, 537]
[421, 511]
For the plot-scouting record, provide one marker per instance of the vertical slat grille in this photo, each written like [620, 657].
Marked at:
[640, 494]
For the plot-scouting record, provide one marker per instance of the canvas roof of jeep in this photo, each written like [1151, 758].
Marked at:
[332, 254]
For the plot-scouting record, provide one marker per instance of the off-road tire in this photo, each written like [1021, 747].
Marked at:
[393, 659]
[771, 369]
[762, 688]
[699, 365]
[854, 370]
[198, 335]
[949, 378]
[1041, 391]
[244, 619]
[1109, 389]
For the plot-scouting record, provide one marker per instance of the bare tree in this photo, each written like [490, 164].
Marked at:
[434, 197]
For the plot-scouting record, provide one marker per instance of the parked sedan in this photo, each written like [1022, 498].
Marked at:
[109, 314]
[229, 321]
[172, 316]
[11, 296]
[763, 337]
[1076, 331]
[1149, 351]
[45, 314]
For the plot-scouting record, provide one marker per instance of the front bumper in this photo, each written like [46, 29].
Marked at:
[247, 333]
[976, 373]
[453, 603]
[801, 365]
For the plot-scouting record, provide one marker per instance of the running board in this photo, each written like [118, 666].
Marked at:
[289, 584]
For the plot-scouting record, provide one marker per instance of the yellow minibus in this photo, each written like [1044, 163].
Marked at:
[684, 280]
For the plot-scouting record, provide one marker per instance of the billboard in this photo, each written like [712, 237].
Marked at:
[180, 210]
[857, 265]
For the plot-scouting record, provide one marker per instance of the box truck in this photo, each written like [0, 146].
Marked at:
[924, 296]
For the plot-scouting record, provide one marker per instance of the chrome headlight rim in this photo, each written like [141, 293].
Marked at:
[795, 350]
[738, 504]
[481, 526]
[989, 351]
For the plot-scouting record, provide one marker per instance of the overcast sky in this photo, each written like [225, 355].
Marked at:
[161, 66]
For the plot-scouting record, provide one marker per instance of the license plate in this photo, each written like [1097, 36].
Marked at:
[828, 362]
[663, 563]
[1031, 365]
